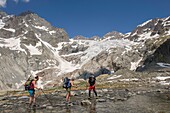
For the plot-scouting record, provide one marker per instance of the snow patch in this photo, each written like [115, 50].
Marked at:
[64, 66]
[9, 29]
[128, 80]
[1, 24]
[134, 65]
[34, 49]
[52, 32]
[114, 77]
[163, 64]
[42, 28]
[162, 78]
[11, 43]
[141, 25]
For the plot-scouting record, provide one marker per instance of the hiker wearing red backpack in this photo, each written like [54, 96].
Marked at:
[31, 91]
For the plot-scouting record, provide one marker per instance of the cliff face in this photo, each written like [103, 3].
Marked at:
[24, 47]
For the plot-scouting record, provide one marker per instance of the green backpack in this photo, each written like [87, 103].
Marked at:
[28, 84]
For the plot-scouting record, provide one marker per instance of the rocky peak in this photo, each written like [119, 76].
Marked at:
[95, 38]
[113, 35]
[26, 13]
[79, 37]
[2, 14]
[151, 29]
[28, 21]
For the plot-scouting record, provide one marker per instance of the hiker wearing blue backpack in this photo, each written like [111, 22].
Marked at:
[68, 83]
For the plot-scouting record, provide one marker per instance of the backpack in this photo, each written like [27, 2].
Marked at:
[66, 83]
[92, 81]
[28, 85]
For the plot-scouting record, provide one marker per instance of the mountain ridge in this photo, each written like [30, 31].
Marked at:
[32, 46]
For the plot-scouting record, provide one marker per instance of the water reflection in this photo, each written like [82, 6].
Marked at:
[92, 107]
[68, 109]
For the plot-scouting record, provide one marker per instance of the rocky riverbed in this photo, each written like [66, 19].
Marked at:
[121, 92]
[131, 100]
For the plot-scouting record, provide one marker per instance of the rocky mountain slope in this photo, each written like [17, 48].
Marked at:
[31, 45]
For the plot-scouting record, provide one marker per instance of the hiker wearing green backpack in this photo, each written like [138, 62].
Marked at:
[31, 89]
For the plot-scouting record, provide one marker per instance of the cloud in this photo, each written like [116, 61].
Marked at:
[26, 1]
[16, 1]
[3, 3]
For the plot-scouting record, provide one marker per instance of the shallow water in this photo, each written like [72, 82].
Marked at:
[153, 102]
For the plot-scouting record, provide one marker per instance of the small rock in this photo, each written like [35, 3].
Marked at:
[62, 94]
[121, 99]
[101, 100]
[44, 105]
[23, 97]
[113, 98]
[99, 95]
[73, 93]
[85, 102]
[49, 107]
[99, 91]
[105, 90]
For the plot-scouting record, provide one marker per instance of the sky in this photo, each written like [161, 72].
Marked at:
[91, 17]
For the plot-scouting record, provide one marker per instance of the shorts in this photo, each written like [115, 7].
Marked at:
[31, 92]
[68, 90]
[91, 88]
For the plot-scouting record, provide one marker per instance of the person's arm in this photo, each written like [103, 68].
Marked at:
[72, 84]
[35, 86]
[94, 82]
[87, 84]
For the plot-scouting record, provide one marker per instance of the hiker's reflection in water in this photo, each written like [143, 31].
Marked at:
[92, 107]
[68, 109]
[32, 111]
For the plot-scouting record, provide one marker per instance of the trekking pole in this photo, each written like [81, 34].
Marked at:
[47, 97]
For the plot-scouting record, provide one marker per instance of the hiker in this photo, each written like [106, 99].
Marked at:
[31, 91]
[91, 83]
[70, 83]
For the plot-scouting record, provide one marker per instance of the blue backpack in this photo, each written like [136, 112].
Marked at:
[66, 83]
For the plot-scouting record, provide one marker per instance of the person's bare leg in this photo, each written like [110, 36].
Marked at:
[30, 101]
[68, 97]
[34, 100]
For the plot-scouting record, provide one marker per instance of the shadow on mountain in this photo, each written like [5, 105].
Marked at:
[85, 75]
[161, 55]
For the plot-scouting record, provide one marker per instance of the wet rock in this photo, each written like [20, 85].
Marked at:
[44, 106]
[105, 90]
[62, 94]
[100, 95]
[99, 91]
[121, 99]
[85, 102]
[101, 100]
[23, 97]
[49, 107]
[159, 90]
[107, 96]
[73, 93]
